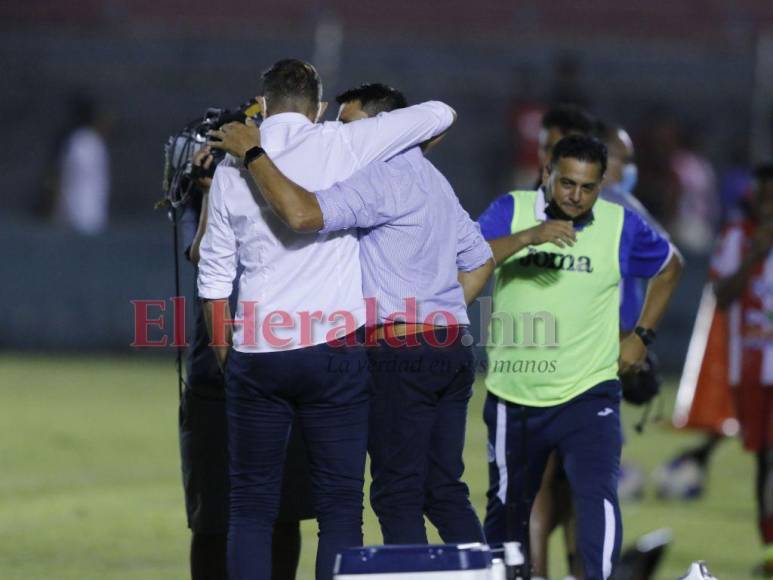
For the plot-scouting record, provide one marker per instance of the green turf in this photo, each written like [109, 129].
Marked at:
[90, 485]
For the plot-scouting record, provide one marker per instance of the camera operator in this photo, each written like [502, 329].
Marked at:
[203, 435]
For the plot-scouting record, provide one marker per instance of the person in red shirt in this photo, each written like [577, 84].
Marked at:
[743, 270]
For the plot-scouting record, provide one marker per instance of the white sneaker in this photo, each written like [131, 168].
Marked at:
[698, 571]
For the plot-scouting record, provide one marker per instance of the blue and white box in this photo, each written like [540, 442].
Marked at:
[442, 562]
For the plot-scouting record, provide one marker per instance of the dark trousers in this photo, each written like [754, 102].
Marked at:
[327, 389]
[586, 434]
[764, 499]
[418, 415]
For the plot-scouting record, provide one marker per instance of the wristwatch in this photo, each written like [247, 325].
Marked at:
[647, 335]
[252, 154]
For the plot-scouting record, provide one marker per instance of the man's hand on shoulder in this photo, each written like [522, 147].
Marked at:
[235, 138]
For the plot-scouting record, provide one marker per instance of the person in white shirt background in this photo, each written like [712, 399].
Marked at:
[300, 292]
[83, 184]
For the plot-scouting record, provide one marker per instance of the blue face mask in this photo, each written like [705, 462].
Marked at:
[630, 177]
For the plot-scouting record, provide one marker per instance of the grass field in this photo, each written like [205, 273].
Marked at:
[90, 481]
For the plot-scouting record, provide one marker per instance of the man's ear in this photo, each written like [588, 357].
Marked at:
[546, 174]
[263, 107]
[321, 108]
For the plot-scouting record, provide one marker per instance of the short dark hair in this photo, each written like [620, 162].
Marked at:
[581, 148]
[375, 98]
[763, 172]
[292, 84]
[569, 119]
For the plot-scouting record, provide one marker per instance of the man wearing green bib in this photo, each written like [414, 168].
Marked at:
[554, 349]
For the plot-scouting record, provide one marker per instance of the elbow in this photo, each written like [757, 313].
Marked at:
[449, 118]
[302, 213]
[296, 222]
[445, 114]
[303, 222]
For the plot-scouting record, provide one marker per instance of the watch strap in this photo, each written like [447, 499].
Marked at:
[252, 154]
[647, 335]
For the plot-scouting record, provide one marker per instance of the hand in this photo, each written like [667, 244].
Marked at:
[235, 138]
[203, 159]
[633, 352]
[560, 232]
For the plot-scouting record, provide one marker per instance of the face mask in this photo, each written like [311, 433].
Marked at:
[630, 177]
[554, 212]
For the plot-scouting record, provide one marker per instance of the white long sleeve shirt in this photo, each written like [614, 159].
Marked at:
[299, 290]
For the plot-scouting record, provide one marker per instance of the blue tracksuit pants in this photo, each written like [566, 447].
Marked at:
[586, 434]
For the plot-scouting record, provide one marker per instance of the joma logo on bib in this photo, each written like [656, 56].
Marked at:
[555, 261]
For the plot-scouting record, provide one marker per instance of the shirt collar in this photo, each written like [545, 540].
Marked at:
[539, 206]
[285, 119]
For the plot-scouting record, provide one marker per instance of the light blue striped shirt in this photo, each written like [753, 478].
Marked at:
[414, 238]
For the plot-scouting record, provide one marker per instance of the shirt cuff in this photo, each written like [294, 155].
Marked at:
[332, 217]
[476, 257]
[215, 290]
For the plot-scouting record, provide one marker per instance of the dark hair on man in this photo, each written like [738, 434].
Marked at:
[292, 85]
[374, 98]
[569, 119]
[581, 148]
[763, 172]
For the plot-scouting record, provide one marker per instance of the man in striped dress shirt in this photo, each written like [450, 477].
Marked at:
[423, 259]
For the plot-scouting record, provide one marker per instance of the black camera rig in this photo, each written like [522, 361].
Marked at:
[180, 174]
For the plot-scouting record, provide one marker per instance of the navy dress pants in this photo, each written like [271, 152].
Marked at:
[417, 429]
[327, 389]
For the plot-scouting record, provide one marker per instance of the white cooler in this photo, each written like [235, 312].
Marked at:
[446, 562]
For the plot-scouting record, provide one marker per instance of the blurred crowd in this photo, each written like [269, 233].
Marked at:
[685, 189]
[676, 180]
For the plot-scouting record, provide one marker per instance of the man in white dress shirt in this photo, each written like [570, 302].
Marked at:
[297, 295]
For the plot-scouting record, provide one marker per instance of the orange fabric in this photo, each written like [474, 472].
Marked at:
[712, 405]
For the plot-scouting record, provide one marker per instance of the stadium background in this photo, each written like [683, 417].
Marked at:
[90, 485]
